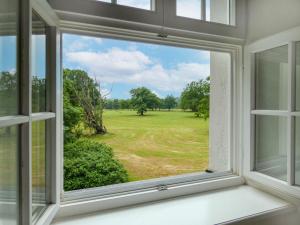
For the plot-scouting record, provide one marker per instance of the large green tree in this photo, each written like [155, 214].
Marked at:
[83, 92]
[143, 99]
[196, 97]
[170, 102]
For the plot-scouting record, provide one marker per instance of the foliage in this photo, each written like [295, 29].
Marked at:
[170, 102]
[143, 99]
[90, 164]
[83, 92]
[38, 94]
[203, 108]
[196, 97]
[8, 90]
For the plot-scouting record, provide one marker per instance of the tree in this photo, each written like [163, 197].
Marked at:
[170, 102]
[8, 90]
[143, 99]
[38, 94]
[196, 97]
[84, 92]
[124, 103]
[116, 104]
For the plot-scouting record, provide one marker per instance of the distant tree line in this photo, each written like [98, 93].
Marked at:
[150, 100]
[195, 98]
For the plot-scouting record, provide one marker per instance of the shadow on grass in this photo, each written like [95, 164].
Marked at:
[138, 116]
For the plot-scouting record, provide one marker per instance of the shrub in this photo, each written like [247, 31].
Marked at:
[90, 164]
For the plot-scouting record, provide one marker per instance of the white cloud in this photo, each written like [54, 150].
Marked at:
[92, 39]
[134, 67]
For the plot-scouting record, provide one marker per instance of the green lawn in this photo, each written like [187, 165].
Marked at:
[161, 143]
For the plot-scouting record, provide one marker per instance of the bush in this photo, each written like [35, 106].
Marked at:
[90, 164]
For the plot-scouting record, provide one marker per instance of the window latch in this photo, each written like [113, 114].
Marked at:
[162, 187]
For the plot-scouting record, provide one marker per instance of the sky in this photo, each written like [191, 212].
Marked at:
[121, 65]
[8, 59]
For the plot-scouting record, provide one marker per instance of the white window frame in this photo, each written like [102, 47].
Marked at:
[155, 189]
[289, 37]
[163, 20]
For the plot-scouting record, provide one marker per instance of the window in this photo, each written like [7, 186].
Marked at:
[9, 108]
[271, 93]
[146, 115]
[275, 113]
[24, 110]
[218, 11]
[40, 106]
[141, 4]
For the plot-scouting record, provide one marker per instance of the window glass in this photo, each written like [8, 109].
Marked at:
[147, 115]
[9, 101]
[189, 8]
[271, 74]
[141, 4]
[271, 146]
[38, 64]
[38, 168]
[298, 76]
[297, 146]
[9, 175]
[218, 11]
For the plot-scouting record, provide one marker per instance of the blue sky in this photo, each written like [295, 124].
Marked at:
[122, 65]
[8, 55]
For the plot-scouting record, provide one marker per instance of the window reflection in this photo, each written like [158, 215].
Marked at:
[38, 65]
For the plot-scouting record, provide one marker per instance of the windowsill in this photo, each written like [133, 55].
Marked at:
[101, 203]
[220, 206]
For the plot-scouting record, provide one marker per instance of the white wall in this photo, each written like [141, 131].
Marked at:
[267, 17]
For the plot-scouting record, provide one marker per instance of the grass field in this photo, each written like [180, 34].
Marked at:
[161, 143]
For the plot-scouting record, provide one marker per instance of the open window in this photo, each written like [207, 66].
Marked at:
[273, 156]
[136, 117]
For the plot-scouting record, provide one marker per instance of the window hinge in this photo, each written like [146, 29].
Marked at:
[162, 187]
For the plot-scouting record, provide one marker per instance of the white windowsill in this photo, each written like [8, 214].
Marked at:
[213, 207]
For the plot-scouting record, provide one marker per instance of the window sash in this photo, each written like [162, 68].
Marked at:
[155, 184]
[289, 113]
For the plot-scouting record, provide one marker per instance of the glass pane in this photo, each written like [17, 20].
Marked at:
[298, 76]
[8, 59]
[141, 4]
[271, 75]
[218, 11]
[8, 175]
[297, 146]
[38, 65]
[271, 146]
[189, 8]
[38, 167]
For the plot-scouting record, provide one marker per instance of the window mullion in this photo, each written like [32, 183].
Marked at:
[291, 120]
[24, 50]
[203, 10]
